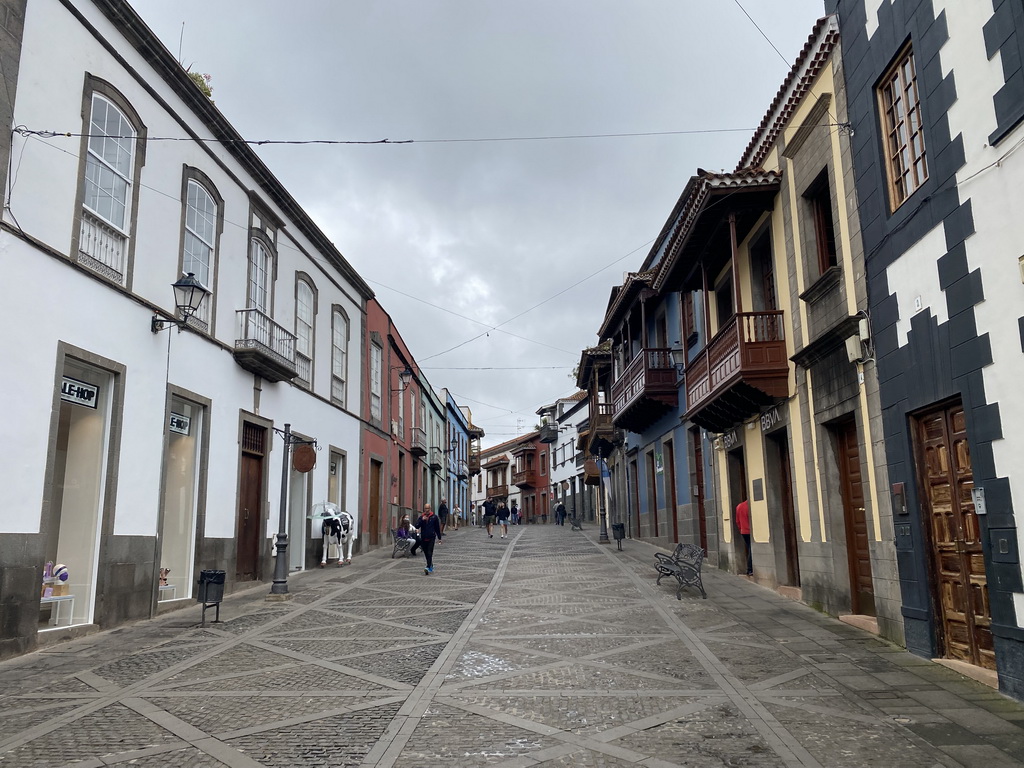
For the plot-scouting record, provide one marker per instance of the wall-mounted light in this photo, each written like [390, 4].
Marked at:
[189, 294]
[678, 359]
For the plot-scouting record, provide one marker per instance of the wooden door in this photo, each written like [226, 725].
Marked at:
[250, 504]
[788, 513]
[635, 476]
[652, 497]
[958, 566]
[858, 555]
[670, 489]
[737, 475]
[376, 473]
[698, 462]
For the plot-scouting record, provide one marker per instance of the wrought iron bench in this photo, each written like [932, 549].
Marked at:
[401, 546]
[683, 565]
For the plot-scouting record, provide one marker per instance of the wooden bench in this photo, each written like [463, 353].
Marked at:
[401, 546]
[683, 565]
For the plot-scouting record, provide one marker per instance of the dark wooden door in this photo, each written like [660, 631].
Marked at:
[738, 492]
[862, 591]
[635, 477]
[670, 489]
[960, 582]
[788, 513]
[375, 510]
[250, 503]
[698, 462]
[652, 496]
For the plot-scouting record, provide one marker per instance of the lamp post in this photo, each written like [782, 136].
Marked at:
[188, 298]
[603, 536]
[280, 586]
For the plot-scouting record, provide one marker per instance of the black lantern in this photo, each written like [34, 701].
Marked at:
[188, 298]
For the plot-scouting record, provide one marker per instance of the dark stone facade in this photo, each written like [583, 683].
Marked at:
[940, 361]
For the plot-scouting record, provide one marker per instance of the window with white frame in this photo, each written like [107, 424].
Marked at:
[376, 364]
[339, 356]
[401, 414]
[305, 303]
[199, 241]
[107, 194]
[259, 276]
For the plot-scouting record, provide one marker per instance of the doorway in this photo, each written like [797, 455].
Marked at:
[376, 479]
[960, 584]
[698, 489]
[737, 476]
[250, 502]
[858, 555]
[652, 496]
[785, 517]
[180, 500]
[77, 488]
[634, 475]
[670, 488]
[300, 509]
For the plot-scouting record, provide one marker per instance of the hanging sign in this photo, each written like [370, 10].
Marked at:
[303, 457]
[179, 423]
[79, 392]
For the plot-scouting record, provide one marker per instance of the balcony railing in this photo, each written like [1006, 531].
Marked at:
[549, 433]
[474, 463]
[303, 369]
[264, 347]
[645, 391]
[102, 248]
[525, 477]
[436, 458]
[743, 368]
[497, 490]
[461, 469]
[418, 445]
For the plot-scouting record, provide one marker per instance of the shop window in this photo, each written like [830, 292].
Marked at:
[180, 500]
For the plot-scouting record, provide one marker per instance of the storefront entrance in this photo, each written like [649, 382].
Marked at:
[958, 565]
[250, 502]
[180, 500]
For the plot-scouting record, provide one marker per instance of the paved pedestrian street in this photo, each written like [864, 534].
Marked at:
[542, 649]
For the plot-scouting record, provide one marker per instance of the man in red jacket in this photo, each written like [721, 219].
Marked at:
[743, 523]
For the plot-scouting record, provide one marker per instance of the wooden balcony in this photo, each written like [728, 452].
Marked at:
[645, 391]
[418, 444]
[741, 370]
[525, 478]
[474, 463]
[264, 347]
[497, 490]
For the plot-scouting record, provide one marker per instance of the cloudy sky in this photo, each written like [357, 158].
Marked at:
[494, 238]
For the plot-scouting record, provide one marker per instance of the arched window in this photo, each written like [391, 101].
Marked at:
[259, 276]
[110, 169]
[304, 314]
[339, 356]
[199, 241]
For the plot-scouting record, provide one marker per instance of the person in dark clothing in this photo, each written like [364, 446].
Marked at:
[560, 514]
[442, 514]
[489, 510]
[430, 532]
[503, 515]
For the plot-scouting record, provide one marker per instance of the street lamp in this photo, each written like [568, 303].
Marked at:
[188, 297]
[678, 359]
[279, 589]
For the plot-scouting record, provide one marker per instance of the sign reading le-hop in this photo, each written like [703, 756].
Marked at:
[79, 392]
[179, 423]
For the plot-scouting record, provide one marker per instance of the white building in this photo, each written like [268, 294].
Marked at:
[132, 450]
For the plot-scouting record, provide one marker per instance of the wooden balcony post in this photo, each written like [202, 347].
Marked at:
[734, 258]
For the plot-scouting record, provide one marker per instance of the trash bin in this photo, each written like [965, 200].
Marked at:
[211, 587]
[618, 533]
[211, 592]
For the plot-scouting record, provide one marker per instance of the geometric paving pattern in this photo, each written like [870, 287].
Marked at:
[544, 649]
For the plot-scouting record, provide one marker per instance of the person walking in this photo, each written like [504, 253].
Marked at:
[489, 510]
[503, 515]
[442, 514]
[560, 514]
[430, 532]
[513, 513]
[743, 524]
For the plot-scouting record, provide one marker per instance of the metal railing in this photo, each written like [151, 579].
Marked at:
[102, 248]
[419, 441]
[256, 329]
[303, 369]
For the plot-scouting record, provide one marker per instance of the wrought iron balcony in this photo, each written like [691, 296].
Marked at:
[102, 248]
[418, 444]
[525, 477]
[436, 459]
[497, 490]
[549, 433]
[741, 370]
[645, 391]
[264, 347]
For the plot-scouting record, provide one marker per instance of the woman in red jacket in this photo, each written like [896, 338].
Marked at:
[743, 523]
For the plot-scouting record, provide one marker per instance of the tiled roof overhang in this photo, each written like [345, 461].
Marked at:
[746, 193]
[636, 283]
[805, 70]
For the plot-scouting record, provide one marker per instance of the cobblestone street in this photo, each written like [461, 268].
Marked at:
[543, 649]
